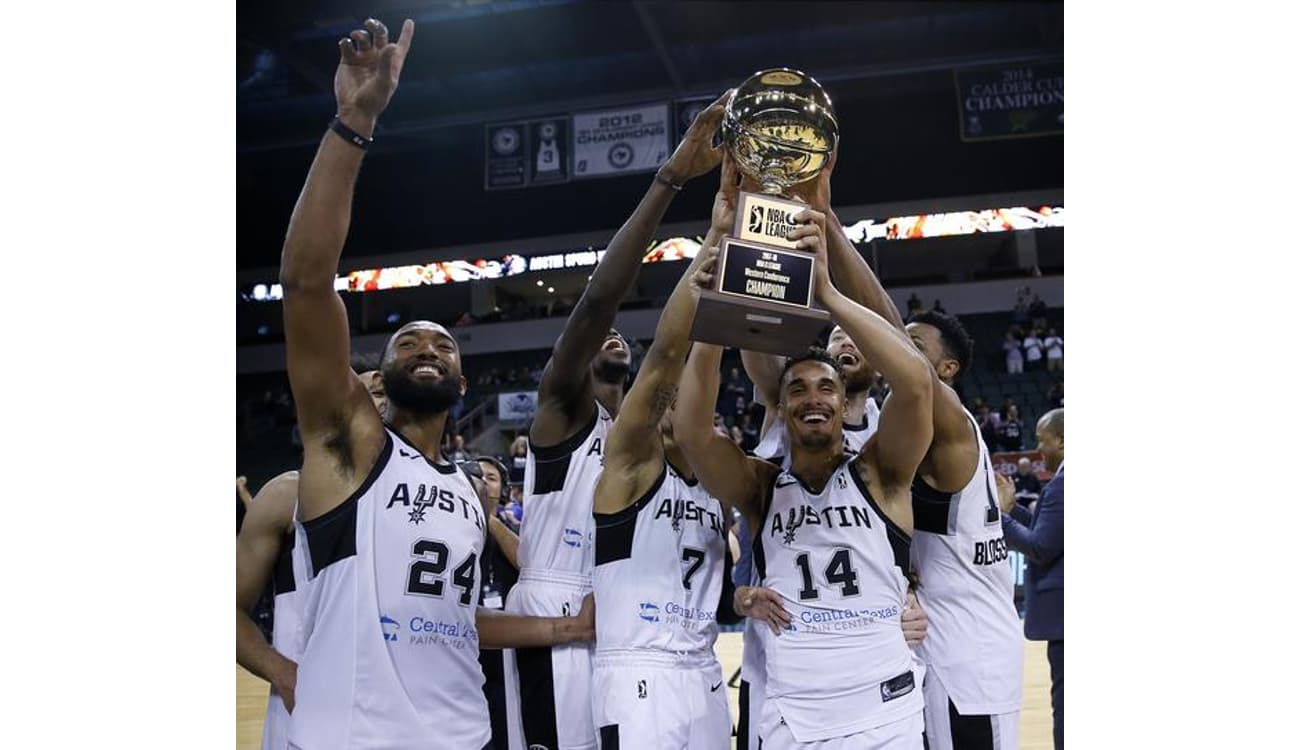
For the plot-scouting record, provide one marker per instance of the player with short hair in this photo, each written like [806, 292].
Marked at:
[831, 531]
[549, 689]
[393, 531]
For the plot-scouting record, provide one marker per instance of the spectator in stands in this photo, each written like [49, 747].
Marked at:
[1020, 314]
[748, 432]
[938, 307]
[1055, 346]
[1028, 485]
[988, 425]
[737, 436]
[518, 460]
[735, 386]
[458, 453]
[1015, 358]
[1033, 350]
[1056, 397]
[535, 375]
[1009, 431]
[914, 305]
[1038, 312]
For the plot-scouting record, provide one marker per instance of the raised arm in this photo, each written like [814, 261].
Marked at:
[270, 517]
[566, 394]
[852, 275]
[634, 452]
[906, 422]
[722, 468]
[332, 402]
[764, 371]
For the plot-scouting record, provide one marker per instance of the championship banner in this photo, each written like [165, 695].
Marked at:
[1011, 101]
[516, 407]
[620, 141]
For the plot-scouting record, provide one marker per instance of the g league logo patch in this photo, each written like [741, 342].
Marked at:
[640, 689]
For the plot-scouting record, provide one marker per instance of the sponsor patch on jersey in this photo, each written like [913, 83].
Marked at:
[897, 687]
[649, 612]
[573, 537]
[389, 626]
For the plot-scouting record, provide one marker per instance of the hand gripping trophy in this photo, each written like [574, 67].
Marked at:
[780, 129]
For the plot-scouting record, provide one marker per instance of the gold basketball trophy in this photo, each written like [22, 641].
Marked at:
[781, 129]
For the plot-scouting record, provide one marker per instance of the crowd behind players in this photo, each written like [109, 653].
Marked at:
[737, 414]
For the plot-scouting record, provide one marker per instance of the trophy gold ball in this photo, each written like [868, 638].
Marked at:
[781, 129]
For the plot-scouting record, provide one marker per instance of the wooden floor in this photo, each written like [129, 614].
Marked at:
[1035, 717]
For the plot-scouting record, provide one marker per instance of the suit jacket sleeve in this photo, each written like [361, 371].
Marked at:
[1044, 540]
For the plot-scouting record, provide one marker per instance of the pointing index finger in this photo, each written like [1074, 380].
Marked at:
[404, 39]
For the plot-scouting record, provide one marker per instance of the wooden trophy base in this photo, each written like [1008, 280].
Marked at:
[759, 326]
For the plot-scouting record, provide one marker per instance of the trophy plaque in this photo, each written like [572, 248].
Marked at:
[781, 130]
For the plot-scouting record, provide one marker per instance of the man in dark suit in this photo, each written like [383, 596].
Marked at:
[1040, 535]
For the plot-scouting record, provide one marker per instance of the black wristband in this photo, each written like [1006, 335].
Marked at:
[659, 178]
[350, 135]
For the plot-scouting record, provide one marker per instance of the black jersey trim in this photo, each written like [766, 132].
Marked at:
[282, 581]
[930, 508]
[900, 541]
[681, 475]
[857, 427]
[614, 531]
[444, 468]
[333, 536]
[726, 609]
[561, 450]
[756, 544]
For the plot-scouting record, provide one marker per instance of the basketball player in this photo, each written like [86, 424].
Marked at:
[579, 395]
[847, 268]
[974, 653]
[661, 546]
[973, 650]
[831, 531]
[393, 532]
[269, 547]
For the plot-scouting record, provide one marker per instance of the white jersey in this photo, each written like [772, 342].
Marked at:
[391, 656]
[659, 570]
[557, 532]
[776, 443]
[289, 580]
[838, 562]
[973, 642]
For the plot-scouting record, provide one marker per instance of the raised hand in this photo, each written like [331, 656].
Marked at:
[724, 203]
[369, 68]
[810, 236]
[703, 278]
[696, 154]
[817, 191]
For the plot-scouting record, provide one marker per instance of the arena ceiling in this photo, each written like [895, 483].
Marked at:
[888, 67]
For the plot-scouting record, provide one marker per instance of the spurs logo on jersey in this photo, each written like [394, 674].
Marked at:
[776, 443]
[838, 562]
[659, 568]
[973, 642]
[393, 602]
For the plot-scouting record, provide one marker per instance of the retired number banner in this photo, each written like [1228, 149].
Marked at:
[1011, 101]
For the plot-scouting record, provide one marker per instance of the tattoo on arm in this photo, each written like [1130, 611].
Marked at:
[660, 400]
